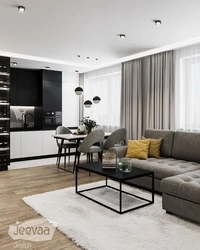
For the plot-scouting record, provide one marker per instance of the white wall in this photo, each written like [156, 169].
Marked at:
[70, 101]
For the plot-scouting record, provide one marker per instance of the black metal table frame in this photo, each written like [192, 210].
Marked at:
[60, 154]
[149, 202]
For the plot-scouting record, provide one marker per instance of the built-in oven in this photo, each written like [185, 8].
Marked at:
[52, 119]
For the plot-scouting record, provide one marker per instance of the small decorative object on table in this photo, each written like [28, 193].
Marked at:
[89, 124]
[124, 165]
[109, 160]
[81, 130]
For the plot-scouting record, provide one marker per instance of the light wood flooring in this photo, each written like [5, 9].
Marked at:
[16, 184]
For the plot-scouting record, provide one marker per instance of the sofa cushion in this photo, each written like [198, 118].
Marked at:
[185, 186]
[186, 146]
[138, 149]
[154, 147]
[165, 167]
[167, 142]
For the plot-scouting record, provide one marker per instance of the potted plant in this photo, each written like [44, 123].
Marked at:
[89, 124]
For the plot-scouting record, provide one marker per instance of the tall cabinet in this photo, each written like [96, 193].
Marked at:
[4, 113]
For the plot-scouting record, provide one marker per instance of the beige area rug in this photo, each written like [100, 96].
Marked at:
[94, 227]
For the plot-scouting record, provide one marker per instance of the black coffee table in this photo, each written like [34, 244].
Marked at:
[121, 178]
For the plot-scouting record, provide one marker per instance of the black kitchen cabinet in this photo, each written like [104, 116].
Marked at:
[52, 75]
[52, 90]
[26, 88]
[4, 113]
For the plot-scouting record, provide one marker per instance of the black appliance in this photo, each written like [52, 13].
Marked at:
[52, 119]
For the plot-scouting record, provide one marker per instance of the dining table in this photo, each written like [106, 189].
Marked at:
[72, 137]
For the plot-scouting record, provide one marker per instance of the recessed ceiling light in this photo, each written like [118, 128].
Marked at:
[21, 8]
[157, 22]
[88, 57]
[47, 67]
[76, 71]
[96, 59]
[122, 36]
[79, 56]
[14, 63]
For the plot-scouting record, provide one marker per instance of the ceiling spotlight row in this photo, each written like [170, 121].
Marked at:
[15, 64]
[88, 57]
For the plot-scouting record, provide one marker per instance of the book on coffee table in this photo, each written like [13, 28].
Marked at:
[109, 166]
[109, 160]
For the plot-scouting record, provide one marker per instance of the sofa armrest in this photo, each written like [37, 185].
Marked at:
[119, 151]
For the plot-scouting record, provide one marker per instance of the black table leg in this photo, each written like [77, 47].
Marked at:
[60, 152]
[120, 197]
[76, 153]
[152, 187]
[76, 179]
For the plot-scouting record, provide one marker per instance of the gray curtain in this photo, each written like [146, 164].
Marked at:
[81, 97]
[147, 99]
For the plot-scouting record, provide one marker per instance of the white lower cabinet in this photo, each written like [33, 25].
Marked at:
[32, 143]
[15, 145]
[49, 146]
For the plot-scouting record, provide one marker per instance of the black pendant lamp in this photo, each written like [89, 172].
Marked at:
[96, 99]
[88, 104]
[78, 90]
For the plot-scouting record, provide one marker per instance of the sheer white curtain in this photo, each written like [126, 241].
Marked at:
[187, 79]
[105, 83]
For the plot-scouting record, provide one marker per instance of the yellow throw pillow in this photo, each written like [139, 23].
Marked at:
[154, 147]
[138, 149]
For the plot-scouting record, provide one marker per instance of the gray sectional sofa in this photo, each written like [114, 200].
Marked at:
[177, 171]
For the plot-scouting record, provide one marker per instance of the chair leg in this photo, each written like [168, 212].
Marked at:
[91, 157]
[68, 154]
[60, 149]
[100, 156]
[65, 158]
[58, 156]
[87, 157]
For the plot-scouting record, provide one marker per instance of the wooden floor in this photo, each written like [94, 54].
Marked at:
[16, 184]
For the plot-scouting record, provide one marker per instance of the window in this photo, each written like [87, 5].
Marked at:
[105, 83]
[188, 88]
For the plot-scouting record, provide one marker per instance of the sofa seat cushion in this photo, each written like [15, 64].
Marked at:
[165, 167]
[185, 186]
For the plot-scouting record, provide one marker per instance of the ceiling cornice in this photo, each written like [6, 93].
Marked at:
[150, 52]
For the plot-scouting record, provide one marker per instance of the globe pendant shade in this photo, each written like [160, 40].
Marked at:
[96, 99]
[78, 90]
[88, 104]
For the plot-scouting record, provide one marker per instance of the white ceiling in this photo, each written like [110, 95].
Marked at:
[52, 33]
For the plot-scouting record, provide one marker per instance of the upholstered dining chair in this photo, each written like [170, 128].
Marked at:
[92, 143]
[66, 145]
[116, 138]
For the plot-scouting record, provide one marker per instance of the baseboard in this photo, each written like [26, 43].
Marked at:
[38, 157]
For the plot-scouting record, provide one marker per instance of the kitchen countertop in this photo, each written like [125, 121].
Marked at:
[26, 129]
[22, 129]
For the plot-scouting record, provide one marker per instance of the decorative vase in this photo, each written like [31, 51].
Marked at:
[124, 165]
